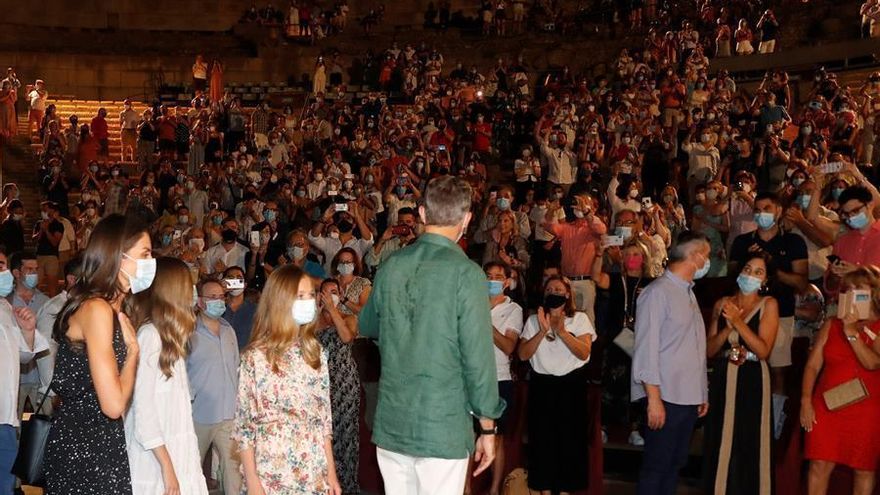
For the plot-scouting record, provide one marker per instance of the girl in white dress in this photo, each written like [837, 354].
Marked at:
[163, 452]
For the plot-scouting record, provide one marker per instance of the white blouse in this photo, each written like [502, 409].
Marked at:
[554, 357]
[161, 414]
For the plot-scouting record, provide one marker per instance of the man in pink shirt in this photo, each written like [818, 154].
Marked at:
[861, 245]
[577, 241]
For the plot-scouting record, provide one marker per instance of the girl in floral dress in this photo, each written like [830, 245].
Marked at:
[283, 423]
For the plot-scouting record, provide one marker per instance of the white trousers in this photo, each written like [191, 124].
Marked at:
[406, 475]
[220, 434]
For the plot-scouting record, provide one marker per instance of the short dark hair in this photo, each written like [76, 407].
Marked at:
[406, 210]
[14, 204]
[858, 192]
[16, 259]
[768, 195]
[447, 201]
[497, 264]
[681, 249]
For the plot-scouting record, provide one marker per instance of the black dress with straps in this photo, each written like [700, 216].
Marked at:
[86, 450]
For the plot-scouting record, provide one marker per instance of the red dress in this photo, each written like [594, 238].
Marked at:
[851, 435]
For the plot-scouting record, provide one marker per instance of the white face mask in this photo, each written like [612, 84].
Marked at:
[143, 275]
[304, 311]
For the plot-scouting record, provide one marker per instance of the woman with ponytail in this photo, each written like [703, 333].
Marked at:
[162, 448]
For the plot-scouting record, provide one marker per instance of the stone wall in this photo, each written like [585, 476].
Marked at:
[183, 15]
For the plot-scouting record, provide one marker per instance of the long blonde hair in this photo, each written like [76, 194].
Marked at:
[274, 329]
[167, 304]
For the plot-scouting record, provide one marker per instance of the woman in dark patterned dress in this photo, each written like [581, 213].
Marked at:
[336, 333]
[96, 363]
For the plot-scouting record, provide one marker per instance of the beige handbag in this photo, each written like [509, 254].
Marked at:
[845, 394]
[516, 483]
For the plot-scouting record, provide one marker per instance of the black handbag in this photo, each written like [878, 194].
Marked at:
[28, 465]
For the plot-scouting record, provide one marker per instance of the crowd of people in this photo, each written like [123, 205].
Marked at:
[309, 20]
[250, 239]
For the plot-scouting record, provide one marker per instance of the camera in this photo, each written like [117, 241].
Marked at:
[401, 230]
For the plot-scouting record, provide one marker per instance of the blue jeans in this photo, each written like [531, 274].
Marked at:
[8, 449]
[666, 451]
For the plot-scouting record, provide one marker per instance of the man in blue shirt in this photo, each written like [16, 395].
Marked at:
[669, 364]
[212, 367]
[26, 295]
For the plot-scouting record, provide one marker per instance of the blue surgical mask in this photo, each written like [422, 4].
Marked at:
[215, 308]
[166, 239]
[269, 215]
[143, 276]
[765, 220]
[836, 192]
[31, 280]
[701, 272]
[858, 222]
[304, 311]
[6, 282]
[496, 287]
[804, 201]
[747, 283]
[503, 204]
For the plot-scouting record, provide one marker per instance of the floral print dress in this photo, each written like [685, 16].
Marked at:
[285, 417]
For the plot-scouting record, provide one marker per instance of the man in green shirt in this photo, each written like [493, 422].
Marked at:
[430, 313]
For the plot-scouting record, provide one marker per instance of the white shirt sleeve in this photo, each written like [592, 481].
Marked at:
[144, 412]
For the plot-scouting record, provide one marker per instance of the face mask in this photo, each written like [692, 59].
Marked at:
[625, 232]
[701, 272]
[711, 193]
[44, 215]
[345, 268]
[503, 204]
[496, 287]
[705, 138]
[334, 235]
[143, 275]
[183, 219]
[633, 262]
[747, 283]
[269, 215]
[804, 201]
[633, 193]
[197, 244]
[236, 292]
[765, 220]
[858, 222]
[215, 308]
[304, 311]
[335, 299]
[319, 177]
[578, 213]
[554, 301]
[296, 252]
[797, 181]
[166, 239]
[6, 282]
[627, 140]
[31, 280]
[668, 198]
[17, 217]
[806, 131]
[836, 192]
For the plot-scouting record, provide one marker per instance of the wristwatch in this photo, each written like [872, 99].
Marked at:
[490, 431]
[852, 338]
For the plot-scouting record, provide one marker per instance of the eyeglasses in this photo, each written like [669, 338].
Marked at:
[847, 214]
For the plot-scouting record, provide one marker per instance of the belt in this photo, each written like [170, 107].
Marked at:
[577, 278]
[750, 356]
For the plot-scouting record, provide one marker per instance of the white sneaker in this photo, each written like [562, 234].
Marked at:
[635, 439]
[604, 436]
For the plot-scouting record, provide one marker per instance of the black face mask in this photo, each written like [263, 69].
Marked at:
[345, 226]
[229, 235]
[554, 301]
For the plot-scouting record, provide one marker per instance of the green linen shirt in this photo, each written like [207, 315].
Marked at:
[429, 309]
